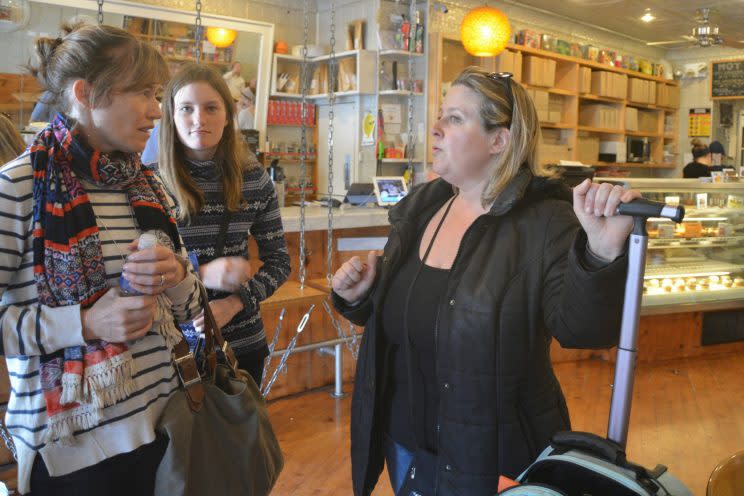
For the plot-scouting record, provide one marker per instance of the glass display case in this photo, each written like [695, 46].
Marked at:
[697, 265]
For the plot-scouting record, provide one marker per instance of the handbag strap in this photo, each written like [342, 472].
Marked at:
[406, 334]
[185, 361]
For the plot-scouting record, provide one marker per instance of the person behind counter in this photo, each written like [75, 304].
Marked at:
[216, 182]
[701, 160]
[90, 369]
[11, 141]
[482, 268]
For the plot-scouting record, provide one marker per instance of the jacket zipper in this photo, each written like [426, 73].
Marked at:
[436, 347]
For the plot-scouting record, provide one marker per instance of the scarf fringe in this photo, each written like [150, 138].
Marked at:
[164, 324]
[62, 426]
[72, 389]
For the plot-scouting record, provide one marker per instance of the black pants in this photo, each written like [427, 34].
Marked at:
[128, 474]
[253, 363]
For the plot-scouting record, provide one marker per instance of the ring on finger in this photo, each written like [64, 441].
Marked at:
[162, 279]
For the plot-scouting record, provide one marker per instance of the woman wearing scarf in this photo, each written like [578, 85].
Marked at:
[90, 369]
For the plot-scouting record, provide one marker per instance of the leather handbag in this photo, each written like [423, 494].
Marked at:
[220, 437]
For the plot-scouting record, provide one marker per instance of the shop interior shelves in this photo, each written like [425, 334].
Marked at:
[391, 52]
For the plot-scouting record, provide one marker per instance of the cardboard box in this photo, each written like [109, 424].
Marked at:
[555, 108]
[616, 148]
[585, 80]
[648, 121]
[631, 119]
[608, 84]
[554, 146]
[599, 115]
[641, 91]
[588, 149]
[538, 71]
[509, 61]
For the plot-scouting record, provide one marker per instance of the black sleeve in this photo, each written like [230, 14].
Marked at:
[582, 300]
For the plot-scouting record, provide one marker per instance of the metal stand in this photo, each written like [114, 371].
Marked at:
[627, 352]
[337, 353]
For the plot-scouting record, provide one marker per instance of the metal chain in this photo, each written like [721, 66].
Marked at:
[303, 139]
[331, 102]
[410, 149]
[100, 12]
[198, 33]
[8, 440]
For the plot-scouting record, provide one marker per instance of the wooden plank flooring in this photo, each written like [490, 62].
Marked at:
[687, 414]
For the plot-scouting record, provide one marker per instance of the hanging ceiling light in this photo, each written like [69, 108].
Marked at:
[648, 16]
[485, 31]
[221, 37]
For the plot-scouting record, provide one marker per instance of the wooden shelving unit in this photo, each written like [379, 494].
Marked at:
[570, 131]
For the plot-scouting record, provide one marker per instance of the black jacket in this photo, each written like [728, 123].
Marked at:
[519, 278]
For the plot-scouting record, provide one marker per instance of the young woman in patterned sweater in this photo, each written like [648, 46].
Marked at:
[208, 170]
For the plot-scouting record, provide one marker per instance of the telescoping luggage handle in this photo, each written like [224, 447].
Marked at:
[627, 351]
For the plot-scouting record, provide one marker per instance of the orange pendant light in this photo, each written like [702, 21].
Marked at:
[485, 31]
[221, 37]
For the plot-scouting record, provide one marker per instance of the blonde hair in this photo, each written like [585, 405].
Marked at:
[11, 142]
[231, 156]
[108, 58]
[518, 114]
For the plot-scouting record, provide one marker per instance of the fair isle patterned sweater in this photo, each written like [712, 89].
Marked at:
[258, 215]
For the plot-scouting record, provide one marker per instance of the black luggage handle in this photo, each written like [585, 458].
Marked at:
[586, 441]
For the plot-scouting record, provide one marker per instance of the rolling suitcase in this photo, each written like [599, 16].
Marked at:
[584, 464]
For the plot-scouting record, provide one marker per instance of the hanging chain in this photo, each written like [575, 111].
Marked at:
[100, 12]
[411, 48]
[331, 102]
[303, 139]
[8, 440]
[198, 33]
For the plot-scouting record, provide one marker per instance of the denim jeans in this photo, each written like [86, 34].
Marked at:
[398, 460]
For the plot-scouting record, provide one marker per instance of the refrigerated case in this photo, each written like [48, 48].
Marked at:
[697, 265]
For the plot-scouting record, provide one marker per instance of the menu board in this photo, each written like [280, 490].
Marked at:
[699, 122]
[727, 79]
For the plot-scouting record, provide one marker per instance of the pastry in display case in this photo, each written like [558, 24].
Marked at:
[700, 262]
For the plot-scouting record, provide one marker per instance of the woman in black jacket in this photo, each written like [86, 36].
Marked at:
[483, 266]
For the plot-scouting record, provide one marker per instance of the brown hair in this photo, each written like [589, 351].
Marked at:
[108, 58]
[11, 143]
[231, 156]
[699, 149]
[518, 114]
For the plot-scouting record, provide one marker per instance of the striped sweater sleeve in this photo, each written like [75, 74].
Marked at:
[28, 328]
[268, 232]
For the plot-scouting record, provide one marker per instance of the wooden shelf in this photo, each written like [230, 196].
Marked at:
[670, 136]
[551, 90]
[606, 99]
[290, 294]
[643, 134]
[286, 95]
[642, 106]
[600, 130]
[392, 52]
[556, 125]
[321, 284]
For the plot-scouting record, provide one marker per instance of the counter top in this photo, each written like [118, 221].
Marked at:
[346, 217]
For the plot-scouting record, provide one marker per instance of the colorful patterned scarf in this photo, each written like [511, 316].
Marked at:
[69, 268]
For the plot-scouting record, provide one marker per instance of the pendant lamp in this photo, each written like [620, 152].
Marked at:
[485, 31]
[221, 37]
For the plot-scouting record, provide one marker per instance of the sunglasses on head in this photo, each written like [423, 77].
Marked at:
[505, 79]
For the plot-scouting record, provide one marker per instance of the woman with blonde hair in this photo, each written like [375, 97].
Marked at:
[11, 142]
[90, 367]
[482, 268]
[223, 196]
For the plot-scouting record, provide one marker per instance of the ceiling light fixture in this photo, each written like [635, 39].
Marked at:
[648, 16]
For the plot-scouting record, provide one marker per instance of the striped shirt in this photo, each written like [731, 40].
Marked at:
[258, 215]
[30, 330]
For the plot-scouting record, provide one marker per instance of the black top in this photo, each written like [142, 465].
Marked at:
[695, 169]
[422, 315]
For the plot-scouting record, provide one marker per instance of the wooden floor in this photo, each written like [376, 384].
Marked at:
[687, 414]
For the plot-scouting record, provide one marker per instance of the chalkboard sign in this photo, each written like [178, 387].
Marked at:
[727, 79]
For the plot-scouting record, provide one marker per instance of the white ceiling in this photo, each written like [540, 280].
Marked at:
[674, 18]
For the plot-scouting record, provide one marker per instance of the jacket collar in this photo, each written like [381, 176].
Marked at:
[433, 195]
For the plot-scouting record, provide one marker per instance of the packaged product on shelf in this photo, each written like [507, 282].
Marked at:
[576, 50]
[563, 47]
[529, 38]
[347, 74]
[419, 34]
[547, 42]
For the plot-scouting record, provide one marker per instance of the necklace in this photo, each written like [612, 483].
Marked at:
[108, 231]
